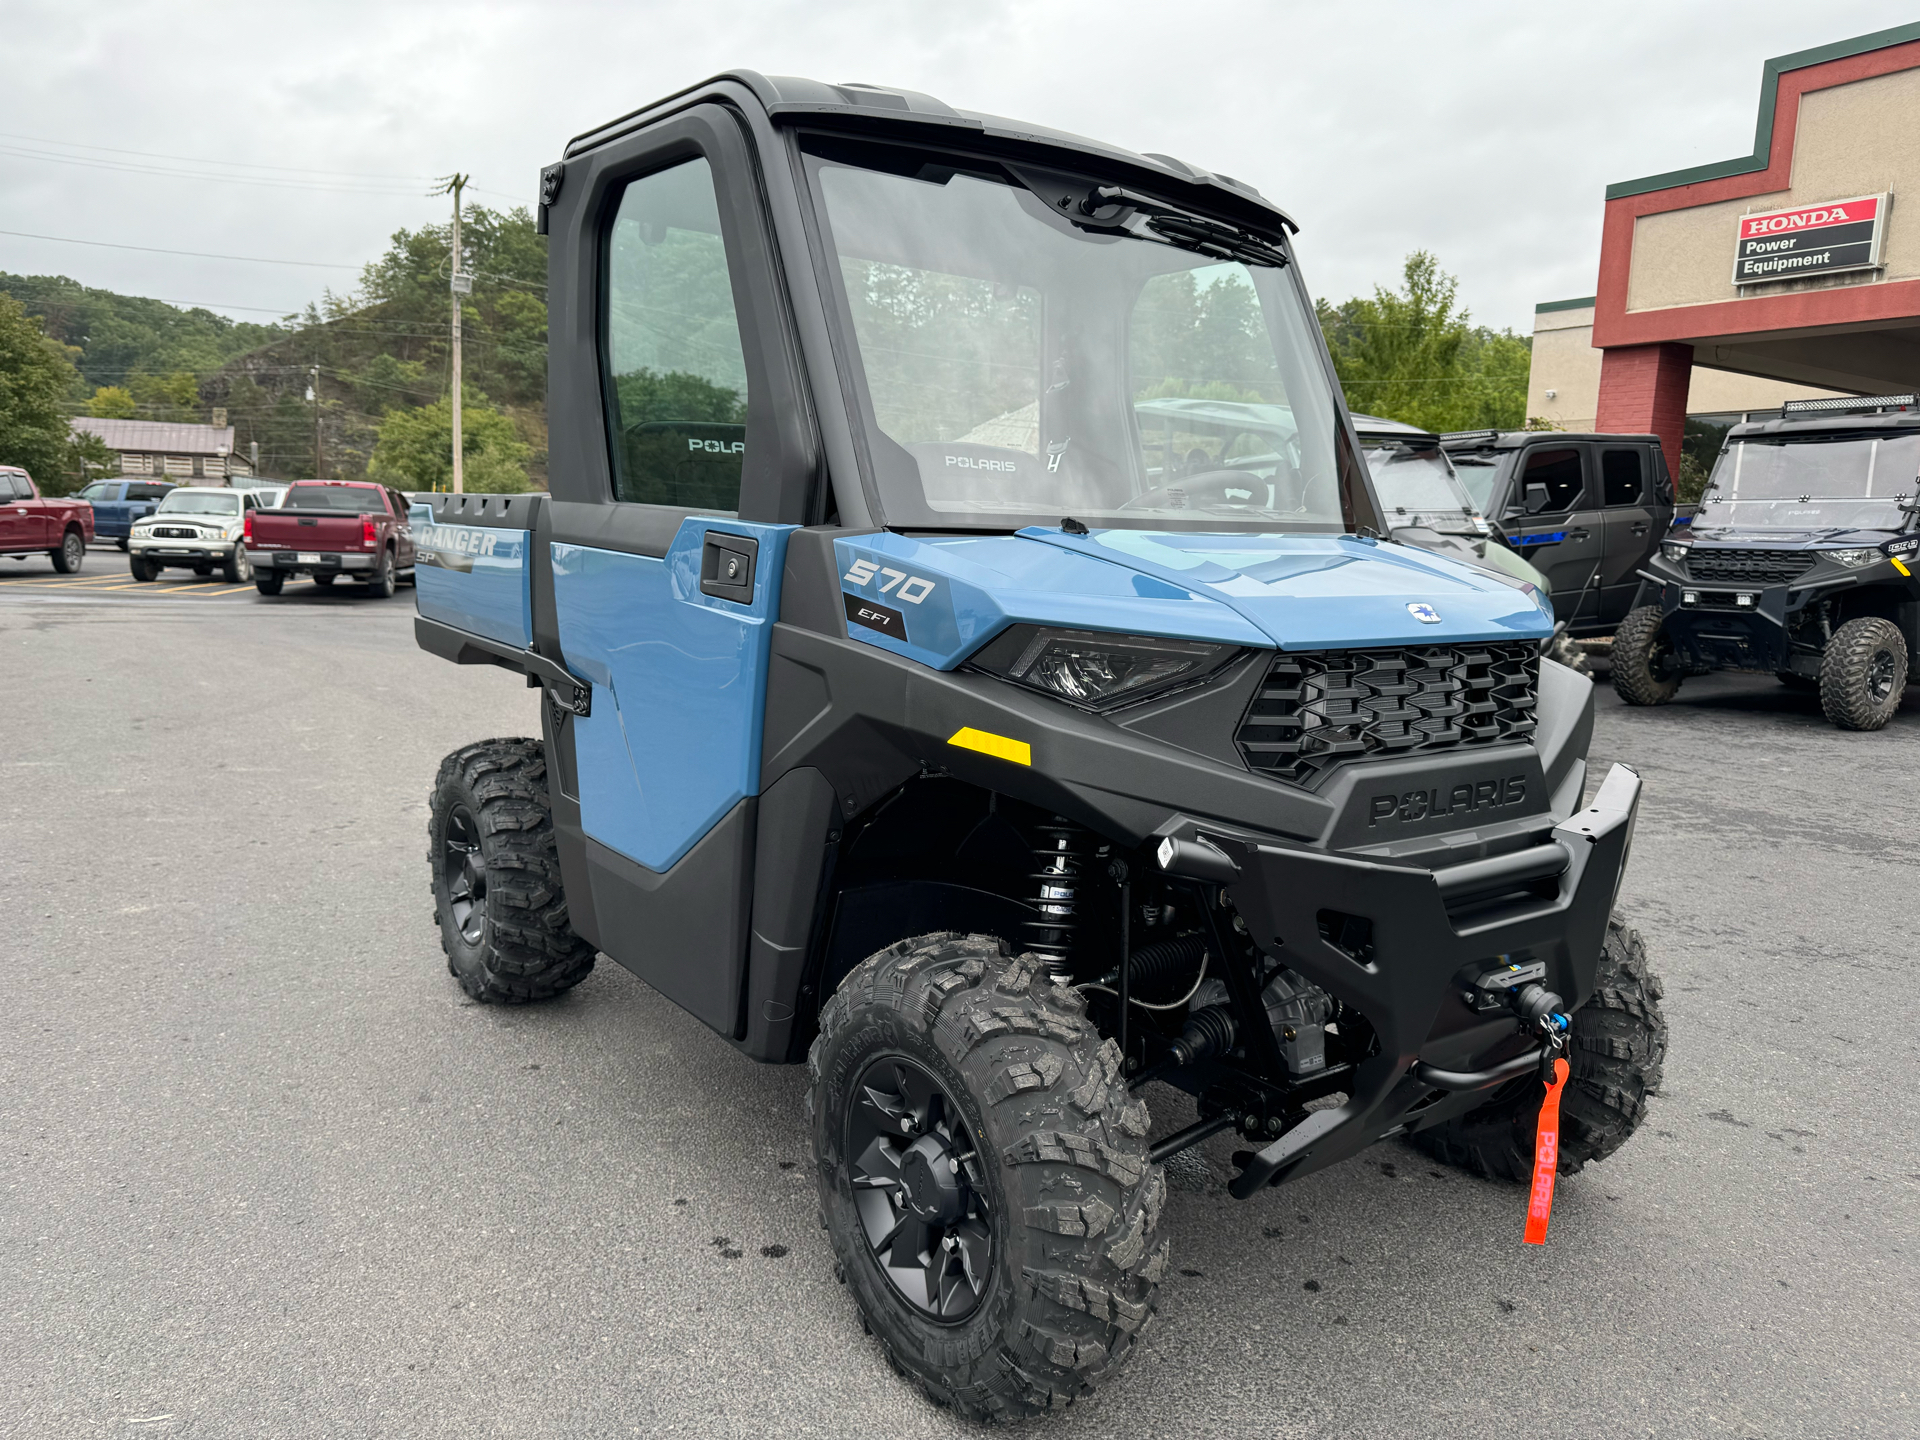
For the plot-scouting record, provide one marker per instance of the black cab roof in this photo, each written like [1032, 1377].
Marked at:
[792, 99]
[1514, 439]
[1380, 428]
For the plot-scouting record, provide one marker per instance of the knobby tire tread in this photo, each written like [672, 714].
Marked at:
[1077, 1280]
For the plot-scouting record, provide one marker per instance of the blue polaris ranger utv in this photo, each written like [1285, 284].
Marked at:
[929, 698]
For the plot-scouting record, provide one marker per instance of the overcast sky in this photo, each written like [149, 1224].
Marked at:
[1482, 131]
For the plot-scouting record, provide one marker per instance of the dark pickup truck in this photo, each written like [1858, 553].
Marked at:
[32, 524]
[329, 528]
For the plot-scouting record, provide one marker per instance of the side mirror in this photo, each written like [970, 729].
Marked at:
[1536, 498]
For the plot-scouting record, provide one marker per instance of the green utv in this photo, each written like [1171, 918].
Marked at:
[928, 697]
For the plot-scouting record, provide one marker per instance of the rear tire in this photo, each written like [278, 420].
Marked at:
[268, 584]
[1863, 671]
[1643, 662]
[380, 580]
[1618, 1042]
[123, 546]
[1055, 1264]
[72, 553]
[496, 876]
[324, 578]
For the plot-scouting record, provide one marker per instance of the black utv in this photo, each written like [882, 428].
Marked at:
[1427, 506]
[1801, 563]
[971, 668]
[1586, 510]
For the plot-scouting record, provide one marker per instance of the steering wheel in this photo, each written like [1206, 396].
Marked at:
[1220, 490]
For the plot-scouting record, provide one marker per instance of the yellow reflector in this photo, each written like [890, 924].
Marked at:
[989, 744]
[1900, 567]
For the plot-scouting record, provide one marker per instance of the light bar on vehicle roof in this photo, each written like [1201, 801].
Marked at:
[1830, 404]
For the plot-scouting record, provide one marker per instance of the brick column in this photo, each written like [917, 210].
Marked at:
[1645, 388]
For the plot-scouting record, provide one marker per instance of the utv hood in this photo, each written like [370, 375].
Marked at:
[1295, 592]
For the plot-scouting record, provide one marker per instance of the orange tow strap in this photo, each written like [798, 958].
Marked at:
[1547, 1153]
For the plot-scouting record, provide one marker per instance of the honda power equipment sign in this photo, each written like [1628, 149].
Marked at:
[1822, 239]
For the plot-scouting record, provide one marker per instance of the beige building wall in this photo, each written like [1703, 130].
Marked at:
[1567, 364]
[1856, 139]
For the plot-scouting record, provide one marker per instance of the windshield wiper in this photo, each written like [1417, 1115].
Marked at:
[1181, 227]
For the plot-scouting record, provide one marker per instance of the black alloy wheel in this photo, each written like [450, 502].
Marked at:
[1881, 672]
[918, 1189]
[466, 875]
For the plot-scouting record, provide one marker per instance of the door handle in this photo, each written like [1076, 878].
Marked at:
[1640, 527]
[1578, 533]
[727, 566]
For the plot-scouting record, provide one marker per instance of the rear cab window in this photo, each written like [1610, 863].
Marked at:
[344, 499]
[1623, 475]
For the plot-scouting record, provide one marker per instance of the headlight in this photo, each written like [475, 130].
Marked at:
[1852, 559]
[1674, 551]
[1095, 669]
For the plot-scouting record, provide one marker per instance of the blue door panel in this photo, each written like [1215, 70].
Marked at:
[474, 577]
[679, 681]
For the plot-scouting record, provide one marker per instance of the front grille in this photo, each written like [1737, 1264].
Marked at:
[1755, 567]
[176, 532]
[1316, 710]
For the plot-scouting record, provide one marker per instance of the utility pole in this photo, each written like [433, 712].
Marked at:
[462, 284]
[313, 394]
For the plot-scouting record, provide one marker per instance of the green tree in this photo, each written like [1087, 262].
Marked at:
[1413, 355]
[112, 402]
[35, 380]
[415, 448]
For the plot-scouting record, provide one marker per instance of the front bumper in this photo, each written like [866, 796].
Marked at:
[170, 551]
[1428, 928]
[293, 562]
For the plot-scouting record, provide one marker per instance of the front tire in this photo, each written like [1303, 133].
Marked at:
[1617, 1045]
[72, 553]
[1863, 671]
[496, 876]
[1009, 1093]
[1645, 668]
[141, 570]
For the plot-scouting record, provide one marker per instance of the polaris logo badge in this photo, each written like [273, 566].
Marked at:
[970, 462]
[1461, 800]
[718, 447]
[1424, 613]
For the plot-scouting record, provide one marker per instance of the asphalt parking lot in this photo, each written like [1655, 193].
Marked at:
[266, 1171]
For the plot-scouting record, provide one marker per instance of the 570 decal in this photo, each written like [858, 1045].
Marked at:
[913, 589]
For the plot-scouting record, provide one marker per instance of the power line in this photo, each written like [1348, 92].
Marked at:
[196, 254]
[203, 160]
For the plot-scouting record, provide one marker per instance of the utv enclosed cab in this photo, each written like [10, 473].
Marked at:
[942, 684]
[1585, 510]
[1801, 562]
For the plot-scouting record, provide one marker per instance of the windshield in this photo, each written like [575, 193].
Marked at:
[186, 502]
[1020, 368]
[334, 497]
[1852, 483]
[1416, 484]
[1476, 474]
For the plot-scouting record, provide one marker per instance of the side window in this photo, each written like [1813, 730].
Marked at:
[246, 502]
[398, 503]
[1663, 482]
[22, 489]
[1624, 476]
[673, 378]
[1557, 473]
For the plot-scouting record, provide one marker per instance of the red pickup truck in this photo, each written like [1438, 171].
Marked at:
[330, 528]
[31, 522]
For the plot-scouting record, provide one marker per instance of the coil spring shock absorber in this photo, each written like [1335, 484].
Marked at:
[1060, 852]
